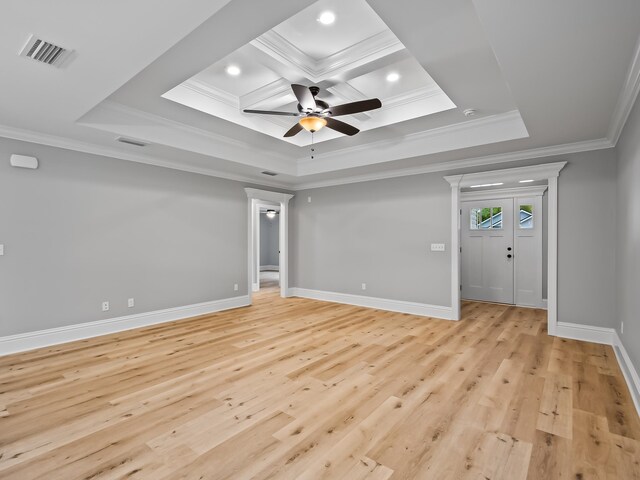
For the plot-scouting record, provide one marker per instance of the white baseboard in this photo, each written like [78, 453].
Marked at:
[53, 336]
[628, 370]
[586, 333]
[423, 309]
[269, 268]
[607, 336]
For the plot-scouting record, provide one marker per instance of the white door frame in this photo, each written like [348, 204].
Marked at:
[546, 171]
[512, 193]
[254, 197]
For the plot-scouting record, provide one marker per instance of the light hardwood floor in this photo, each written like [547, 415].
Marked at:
[300, 389]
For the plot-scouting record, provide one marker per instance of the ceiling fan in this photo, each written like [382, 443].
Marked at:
[316, 113]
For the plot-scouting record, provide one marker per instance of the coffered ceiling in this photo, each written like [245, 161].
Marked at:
[544, 78]
[348, 64]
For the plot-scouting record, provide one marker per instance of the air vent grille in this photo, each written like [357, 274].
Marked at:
[43, 51]
[271, 174]
[130, 141]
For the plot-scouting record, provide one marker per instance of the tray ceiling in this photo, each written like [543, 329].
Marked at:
[347, 63]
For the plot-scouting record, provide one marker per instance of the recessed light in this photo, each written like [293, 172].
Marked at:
[327, 18]
[393, 77]
[469, 112]
[233, 70]
[486, 185]
[526, 181]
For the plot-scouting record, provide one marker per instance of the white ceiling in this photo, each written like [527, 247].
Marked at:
[545, 77]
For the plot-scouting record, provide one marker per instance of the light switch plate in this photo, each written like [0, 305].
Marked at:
[1, 249]
[437, 247]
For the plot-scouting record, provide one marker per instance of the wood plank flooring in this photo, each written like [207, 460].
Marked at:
[301, 389]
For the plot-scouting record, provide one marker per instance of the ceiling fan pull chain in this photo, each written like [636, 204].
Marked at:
[312, 149]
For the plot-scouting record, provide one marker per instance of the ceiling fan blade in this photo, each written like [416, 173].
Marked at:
[304, 96]
[341, 127]
[293, 130]
[270, 112]
[355, 107]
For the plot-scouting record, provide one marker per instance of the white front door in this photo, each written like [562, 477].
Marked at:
[487, 250]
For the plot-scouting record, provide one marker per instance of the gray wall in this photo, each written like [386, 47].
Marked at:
[379, 233]
[586, 239]
[628, 236]
[376, 233]
[269, 240]
[82, 229]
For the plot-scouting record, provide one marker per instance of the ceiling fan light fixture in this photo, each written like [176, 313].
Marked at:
[312, 124]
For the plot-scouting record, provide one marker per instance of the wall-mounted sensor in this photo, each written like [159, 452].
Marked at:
[22, 161]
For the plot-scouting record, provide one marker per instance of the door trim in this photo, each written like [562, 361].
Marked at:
[545, 171]
[502, 193]
[254, 197]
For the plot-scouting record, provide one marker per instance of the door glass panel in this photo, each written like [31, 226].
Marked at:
[496, 218]
[525, 217]
[474, 215]
[485, 218]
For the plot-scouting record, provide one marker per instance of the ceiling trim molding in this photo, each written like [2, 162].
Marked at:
[179, 125]
[542, 171]
[278, 88]
[486, 130]
[212, 92]
[214, 145]
[348, 93]
[627, 98]
[93, 149]
[418, 136]
[371, 48]
[541, 152]
[515, 192]
[258, 194]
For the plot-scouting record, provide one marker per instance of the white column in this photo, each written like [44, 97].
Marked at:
[552, 268]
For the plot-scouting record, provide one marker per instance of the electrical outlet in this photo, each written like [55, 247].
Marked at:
[131, 303]
[364, 286]
[308, 199]
[621, 327]
[437, 247]
[1, 249]
[105, 306]
[235, 287]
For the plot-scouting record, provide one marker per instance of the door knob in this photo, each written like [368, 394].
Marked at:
[509, 256]
[508, 249]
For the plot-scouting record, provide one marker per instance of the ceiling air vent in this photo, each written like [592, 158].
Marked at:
[271, 174]
[130, 141]
[43, 51]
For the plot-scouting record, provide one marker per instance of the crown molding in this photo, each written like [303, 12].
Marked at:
[491, 129]
[212, 92]
[154, 128]
[348, 93]
[278, 88]
[365, 51]
[541, 152]
[93, 149]
[627, 98]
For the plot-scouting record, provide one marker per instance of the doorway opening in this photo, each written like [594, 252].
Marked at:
[502, 247]
[542, 172]
[269, 247]
[269, 267]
